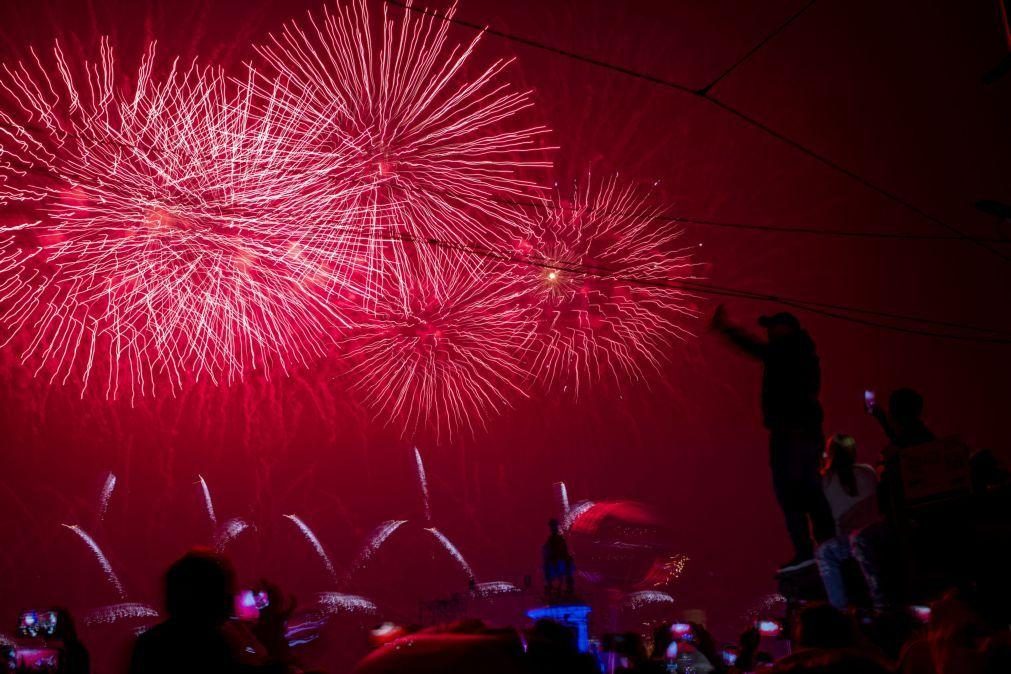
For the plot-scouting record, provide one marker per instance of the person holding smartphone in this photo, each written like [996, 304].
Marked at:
[198, 637]
[791, 410]
[851, 489]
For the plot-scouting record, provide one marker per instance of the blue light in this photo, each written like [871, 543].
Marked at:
[575, 616]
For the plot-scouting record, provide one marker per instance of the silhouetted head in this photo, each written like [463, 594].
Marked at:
[905, 405]
[65, 629]
[831, 661]
[199, 588]
[553, 525]
[840, 450]
[780, 325]
[823, 626]
[662, 639]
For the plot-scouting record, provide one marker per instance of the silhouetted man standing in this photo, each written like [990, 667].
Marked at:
[790, 385]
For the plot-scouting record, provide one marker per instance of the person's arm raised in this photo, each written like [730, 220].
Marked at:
[745, 342]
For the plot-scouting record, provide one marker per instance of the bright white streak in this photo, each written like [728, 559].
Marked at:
[208, 501]
[102, 559]
[317, 546]
[451, 549]
[423, 484]
[376, 540]
[562, 493]
[638, 600]
[228, 532]
[495, 587]
[103, 500]
[338, 602]
[575, 513]
[108, 615]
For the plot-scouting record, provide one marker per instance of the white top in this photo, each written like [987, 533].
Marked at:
[841, 502]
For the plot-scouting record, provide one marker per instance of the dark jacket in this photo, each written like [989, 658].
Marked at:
[791, 380]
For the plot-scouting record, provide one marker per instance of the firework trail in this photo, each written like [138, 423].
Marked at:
[388, 106]
[375, 541]
[163, 239]
[106, 495]
[108, 615]
[495, 588]
[643, 598]
[229, 531]
[337, 602]
[562, 495]
[442, 351]
[575, 513]
[103, 561]
[316, 545]
[423, 485]
[452, 550]
[667, 572]
[593, 325]
[208, 502]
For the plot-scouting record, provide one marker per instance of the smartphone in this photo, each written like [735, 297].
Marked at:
[34, 624]
[38, 659]
[768, 627]
[249, 603]
[682, 631]
[920, 613]
[869, 400]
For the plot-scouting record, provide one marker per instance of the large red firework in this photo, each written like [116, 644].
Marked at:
[604, 285]
[153, 236]
[397, 109]
[443, 348]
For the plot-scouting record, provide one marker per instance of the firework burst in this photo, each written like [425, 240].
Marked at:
[602, 283]
[430, 142]
[442, 351]
[162, 238]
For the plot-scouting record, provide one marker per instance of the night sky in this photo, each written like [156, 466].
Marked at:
[891, 92]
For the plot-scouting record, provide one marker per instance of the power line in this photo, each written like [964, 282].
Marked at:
[881, 191]
[691, 220]
[835, 311]
[704, 91]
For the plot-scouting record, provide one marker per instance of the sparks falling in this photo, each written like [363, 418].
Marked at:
[452, 550]
[229, 531]
[375, 541]
[106, 495]
[208, 501]
[317, 546]
[103, 561]
[423, 485]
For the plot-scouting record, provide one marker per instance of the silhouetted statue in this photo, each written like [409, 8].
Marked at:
[557, 563]
[792, 413]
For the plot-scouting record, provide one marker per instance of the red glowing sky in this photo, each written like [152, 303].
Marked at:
[890, 91]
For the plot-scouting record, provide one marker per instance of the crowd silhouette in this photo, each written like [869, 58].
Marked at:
[910, 558]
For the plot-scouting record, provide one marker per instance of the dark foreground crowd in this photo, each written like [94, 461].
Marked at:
[910, 562]
[967, 632]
